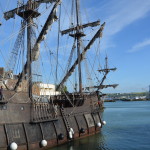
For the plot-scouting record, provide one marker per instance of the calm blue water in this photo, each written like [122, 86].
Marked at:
[127, 128]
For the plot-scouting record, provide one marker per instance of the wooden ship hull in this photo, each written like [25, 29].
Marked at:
[27, 124]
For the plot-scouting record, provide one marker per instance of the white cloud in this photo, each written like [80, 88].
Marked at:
[120, 14]
[125, 12]
[117, 14]
[140, 45]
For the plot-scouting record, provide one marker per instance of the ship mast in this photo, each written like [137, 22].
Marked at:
[106, 70]
[29, 53]
[78, 37]
[28, 12]
[97, 35]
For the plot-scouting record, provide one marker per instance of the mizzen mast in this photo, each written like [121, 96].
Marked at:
[78, 36]
[106, 70]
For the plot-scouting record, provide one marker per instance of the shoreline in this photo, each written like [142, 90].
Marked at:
[126, 100]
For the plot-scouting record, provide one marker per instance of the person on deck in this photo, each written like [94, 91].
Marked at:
[1, 93]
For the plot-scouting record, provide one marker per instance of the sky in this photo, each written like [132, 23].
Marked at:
[126, 39]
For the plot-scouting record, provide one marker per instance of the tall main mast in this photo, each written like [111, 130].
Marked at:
[28, 14]
[76, 32]
[29, 55]
[78, 37]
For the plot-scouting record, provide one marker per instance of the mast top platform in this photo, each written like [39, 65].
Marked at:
[26, 10]
[76, 35]
[29, 13]
[29, 10]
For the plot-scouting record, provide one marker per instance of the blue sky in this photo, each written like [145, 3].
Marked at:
[126, 39]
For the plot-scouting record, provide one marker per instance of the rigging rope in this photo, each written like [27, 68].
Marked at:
[62, 88]
[75, 75]
[36, 72]
[2, 56]
[66, 12]
[72, 14]
[71, 55]
[18, 65]
[48, 49]
[96, 54]
[15, 33]
[17, 46]
[3, 10]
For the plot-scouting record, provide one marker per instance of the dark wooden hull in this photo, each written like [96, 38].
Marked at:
[16, 126]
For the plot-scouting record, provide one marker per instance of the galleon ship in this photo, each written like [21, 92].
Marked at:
[35, 114]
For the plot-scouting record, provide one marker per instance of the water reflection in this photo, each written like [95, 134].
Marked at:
[93, 142]
[71, 147]
[128, 128]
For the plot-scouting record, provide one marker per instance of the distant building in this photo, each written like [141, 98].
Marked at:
[123, 97]
[38, 88]
[137, 97]
[47, 89]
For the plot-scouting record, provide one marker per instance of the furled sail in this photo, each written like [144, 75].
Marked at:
[52, 18]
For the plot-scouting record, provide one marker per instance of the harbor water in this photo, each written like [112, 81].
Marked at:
[127, 128]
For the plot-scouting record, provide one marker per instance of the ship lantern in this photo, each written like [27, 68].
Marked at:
[82, 130]
[60, 136]
[98, 124]
[104, 122]
[43, 143]
[13, 146]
